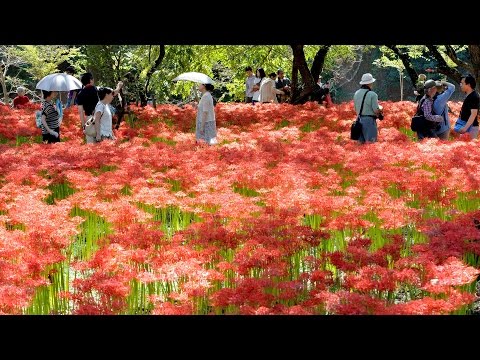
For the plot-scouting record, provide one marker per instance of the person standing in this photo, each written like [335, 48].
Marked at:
[259, 76]
[370, 111]
[206, 125]
[268, 92]
[72, 94]
[426, 106]
[420, 87]
[282, 83]
[87, 100]
[470, 106]
[249, 82]
[444, 92]
[21, 99]
[103, 115]
[50, 118]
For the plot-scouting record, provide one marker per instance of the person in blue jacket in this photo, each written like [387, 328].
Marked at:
[440, 107]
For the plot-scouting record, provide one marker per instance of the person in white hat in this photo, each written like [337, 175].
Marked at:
[370, 111]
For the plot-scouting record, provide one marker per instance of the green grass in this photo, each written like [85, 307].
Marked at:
[282, 124]
[176, 185]
[170, 218]
[92, 229]
[467, 201]
[163, 140]
[244, 191]
[59, 191]
[412, 136]
[126, 190]
[15, 226]
[103, 169]
[312, 125]
[20, 140]
[47, 299]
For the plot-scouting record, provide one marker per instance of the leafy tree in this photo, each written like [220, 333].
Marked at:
[8, 60]
[45, 59]
[450, 60]
[311, 61]
[154, 66]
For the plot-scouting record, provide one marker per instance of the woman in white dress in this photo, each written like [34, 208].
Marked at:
[206, 129]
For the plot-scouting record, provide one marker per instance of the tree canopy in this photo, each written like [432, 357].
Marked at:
[151, 68]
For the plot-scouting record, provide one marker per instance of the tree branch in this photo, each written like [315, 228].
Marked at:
[152, 70]
[442, 65]
[266, 56]
[453, 56]
[405, 59]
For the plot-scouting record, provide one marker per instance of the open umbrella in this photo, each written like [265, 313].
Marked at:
[195, 77]
[59, 82]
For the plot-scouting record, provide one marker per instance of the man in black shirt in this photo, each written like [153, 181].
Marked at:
[470, 106]
[87, 98]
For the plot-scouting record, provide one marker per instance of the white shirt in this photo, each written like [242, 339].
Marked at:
[206, 105]
[268, 92]
[256, 94]
[249, 85]
[105, 120]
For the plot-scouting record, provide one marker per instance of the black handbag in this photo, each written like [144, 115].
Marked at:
[356, 129]
[420, 123]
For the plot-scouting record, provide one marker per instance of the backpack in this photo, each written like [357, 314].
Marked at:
[38, 118]
[420, 123]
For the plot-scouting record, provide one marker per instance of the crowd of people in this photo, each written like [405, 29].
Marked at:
[432, 97]
[263, 89]
[96, 102]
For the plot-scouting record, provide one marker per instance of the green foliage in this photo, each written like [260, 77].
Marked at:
[45, 59]
[224, 63]
[108, 63]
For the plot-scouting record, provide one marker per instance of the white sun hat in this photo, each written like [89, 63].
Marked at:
[367, 79]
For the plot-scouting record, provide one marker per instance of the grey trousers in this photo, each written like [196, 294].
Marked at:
[369, 129]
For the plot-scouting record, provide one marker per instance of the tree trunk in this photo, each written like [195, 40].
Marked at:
[318, 62]
[406, 63]
[150, 72]
[294, 85]
[6, 98]
[309, 84]
[475, 58]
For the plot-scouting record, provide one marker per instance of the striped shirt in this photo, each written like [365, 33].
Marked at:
[51, 116]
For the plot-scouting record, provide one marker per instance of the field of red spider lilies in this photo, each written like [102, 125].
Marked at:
[285, 215]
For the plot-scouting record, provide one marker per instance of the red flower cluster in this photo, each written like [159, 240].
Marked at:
[285, 216]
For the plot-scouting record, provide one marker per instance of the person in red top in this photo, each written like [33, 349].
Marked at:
[21, 99]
